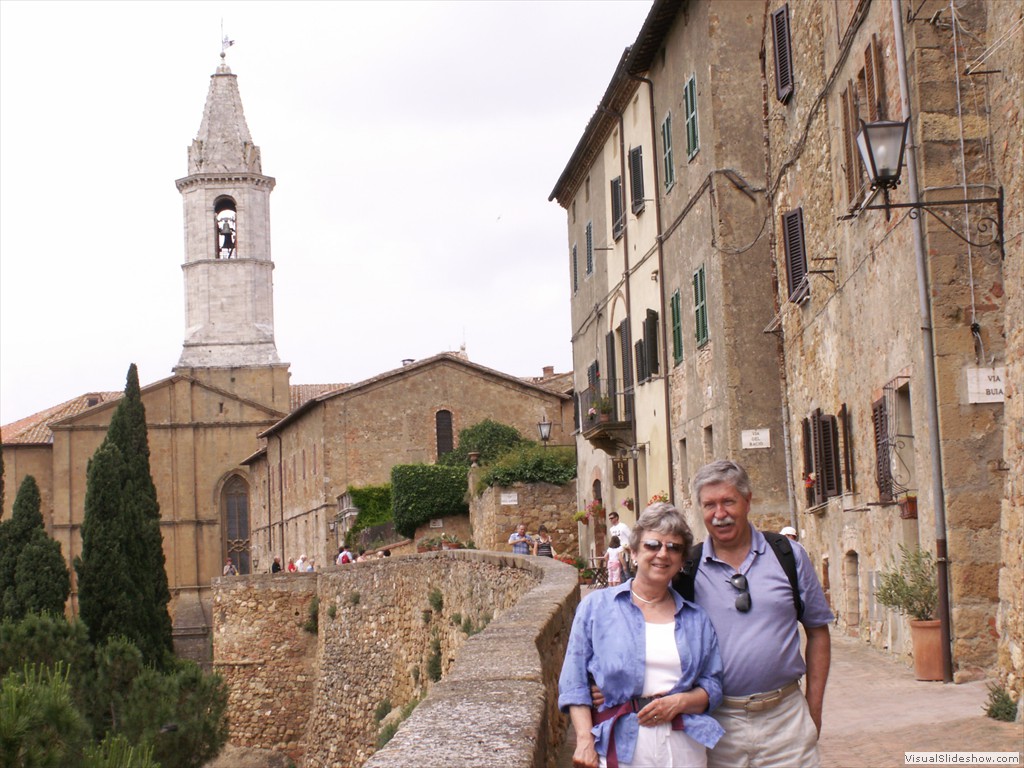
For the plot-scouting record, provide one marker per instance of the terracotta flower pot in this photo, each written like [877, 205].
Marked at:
[927, 639]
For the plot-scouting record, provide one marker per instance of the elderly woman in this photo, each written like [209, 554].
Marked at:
[654, 657]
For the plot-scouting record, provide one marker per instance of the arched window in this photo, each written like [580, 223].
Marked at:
[443, 425]
[235, 512]
[224, 228]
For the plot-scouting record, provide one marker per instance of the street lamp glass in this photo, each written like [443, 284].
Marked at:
[545, 430]
[881, 148]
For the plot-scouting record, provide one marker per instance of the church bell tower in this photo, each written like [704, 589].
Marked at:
[229, 291]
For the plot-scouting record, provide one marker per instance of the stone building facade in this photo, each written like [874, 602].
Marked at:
[790, 322]
[354, 436]
[670, 270]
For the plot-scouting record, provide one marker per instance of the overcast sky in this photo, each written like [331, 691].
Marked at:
[414, 146]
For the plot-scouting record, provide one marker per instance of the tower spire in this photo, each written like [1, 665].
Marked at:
[229, 313]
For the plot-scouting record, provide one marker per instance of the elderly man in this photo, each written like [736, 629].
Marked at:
[743, 585]
[521, 543]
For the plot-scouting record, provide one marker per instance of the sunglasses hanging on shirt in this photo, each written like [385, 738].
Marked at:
[739, 581]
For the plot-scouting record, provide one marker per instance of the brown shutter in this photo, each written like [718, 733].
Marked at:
[796, 255]
[850, 158]
[808, 462]
[830, 456]
[783, 54]
[883, 467]
[873, 81]
[847, 423]
[611, 385]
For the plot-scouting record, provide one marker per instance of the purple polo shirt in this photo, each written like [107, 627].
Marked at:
[761, 648]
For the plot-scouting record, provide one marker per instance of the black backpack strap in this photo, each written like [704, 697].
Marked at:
[683, 581]
[784, 552]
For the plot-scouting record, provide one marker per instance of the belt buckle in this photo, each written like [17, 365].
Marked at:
[759, 705]
[641, 701]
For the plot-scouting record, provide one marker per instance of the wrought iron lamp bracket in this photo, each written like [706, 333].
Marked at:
[986, 225]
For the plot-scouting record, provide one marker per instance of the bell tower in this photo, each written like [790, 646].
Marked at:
[229, 291]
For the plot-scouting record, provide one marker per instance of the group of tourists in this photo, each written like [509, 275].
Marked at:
[695, 660]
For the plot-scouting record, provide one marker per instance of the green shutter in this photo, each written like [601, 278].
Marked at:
[677, 327]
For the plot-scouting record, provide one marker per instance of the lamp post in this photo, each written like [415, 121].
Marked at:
[544, 426]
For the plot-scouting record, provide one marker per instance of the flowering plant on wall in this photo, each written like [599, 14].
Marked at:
[658, 497]
[628, 504]
[595, 508]
[809, 480]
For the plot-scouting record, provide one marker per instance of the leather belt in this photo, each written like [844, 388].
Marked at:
[759, 702]
[614, 713]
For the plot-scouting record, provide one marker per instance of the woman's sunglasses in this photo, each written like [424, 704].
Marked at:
[739, 581]
[653, 545]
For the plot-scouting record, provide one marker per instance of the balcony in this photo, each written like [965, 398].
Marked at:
[606, 419]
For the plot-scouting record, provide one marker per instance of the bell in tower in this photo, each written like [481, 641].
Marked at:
[224, 222]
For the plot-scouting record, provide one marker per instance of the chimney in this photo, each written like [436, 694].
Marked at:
[549, 371]
[407, 361]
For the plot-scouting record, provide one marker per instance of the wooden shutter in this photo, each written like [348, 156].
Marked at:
[590, 247]
[808, 462]
[636, 178]
[611, 385]
[642, 374]
[796, 255]
[700, 307]
[677, 328]
[618, 217]
[651, 342]
[850, 154]
[873, 81]
[883, 465]
[625, 349]
[783, 54]
[830, 456]
[575, 270]
[666, 144]
[627, 368]
[846, 421]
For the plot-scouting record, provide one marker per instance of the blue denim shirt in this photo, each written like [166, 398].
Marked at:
[608, 644]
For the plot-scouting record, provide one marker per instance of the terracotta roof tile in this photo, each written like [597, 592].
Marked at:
[35, 429]
[303, 393]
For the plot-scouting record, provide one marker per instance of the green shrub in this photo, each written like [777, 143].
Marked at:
[39, 725]
[911, 587]
[354, 597]
[436, 600]
[382, 710]
[1000, 705]
[427, 615]
[374, 504]
[422, 492]
[387, 733]
[434, 659]
[312, 624]
[532, 464]
[332, 610]
[115, 751]
[456, 619]
[489, 438]
[467, 626]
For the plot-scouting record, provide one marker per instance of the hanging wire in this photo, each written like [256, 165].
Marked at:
[979, 345]
[999, 43]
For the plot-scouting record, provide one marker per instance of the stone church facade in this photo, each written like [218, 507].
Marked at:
[230, 398]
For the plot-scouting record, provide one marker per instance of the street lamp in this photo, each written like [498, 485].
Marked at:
[545, 429]
[882, 146]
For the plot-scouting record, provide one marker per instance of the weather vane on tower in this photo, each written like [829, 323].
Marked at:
[225, 43]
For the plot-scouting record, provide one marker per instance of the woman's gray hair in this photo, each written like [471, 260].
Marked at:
[661, 517]
[721, 471]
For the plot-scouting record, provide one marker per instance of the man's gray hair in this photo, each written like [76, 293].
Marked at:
[660, 517]
[721, 471]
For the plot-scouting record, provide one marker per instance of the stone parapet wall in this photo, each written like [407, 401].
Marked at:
[497, 704]
[316, 697]
[266, 658]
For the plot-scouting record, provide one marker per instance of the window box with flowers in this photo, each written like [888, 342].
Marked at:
[657, 498]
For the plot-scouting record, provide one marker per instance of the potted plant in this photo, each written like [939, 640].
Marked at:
[450, 541]
[581, 516]
[910, 588]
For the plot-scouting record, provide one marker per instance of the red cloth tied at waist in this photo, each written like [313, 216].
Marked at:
[613, 714]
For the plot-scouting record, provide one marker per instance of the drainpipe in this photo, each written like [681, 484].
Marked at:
[661, 289]
[280, 492]
[928, 349]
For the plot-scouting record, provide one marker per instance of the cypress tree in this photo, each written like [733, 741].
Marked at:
[122, 577]
[33, 575]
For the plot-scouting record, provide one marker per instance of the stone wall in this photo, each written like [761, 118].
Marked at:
[316, 697]
[535, 504]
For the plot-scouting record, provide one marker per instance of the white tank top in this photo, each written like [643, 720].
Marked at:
[663, 668]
